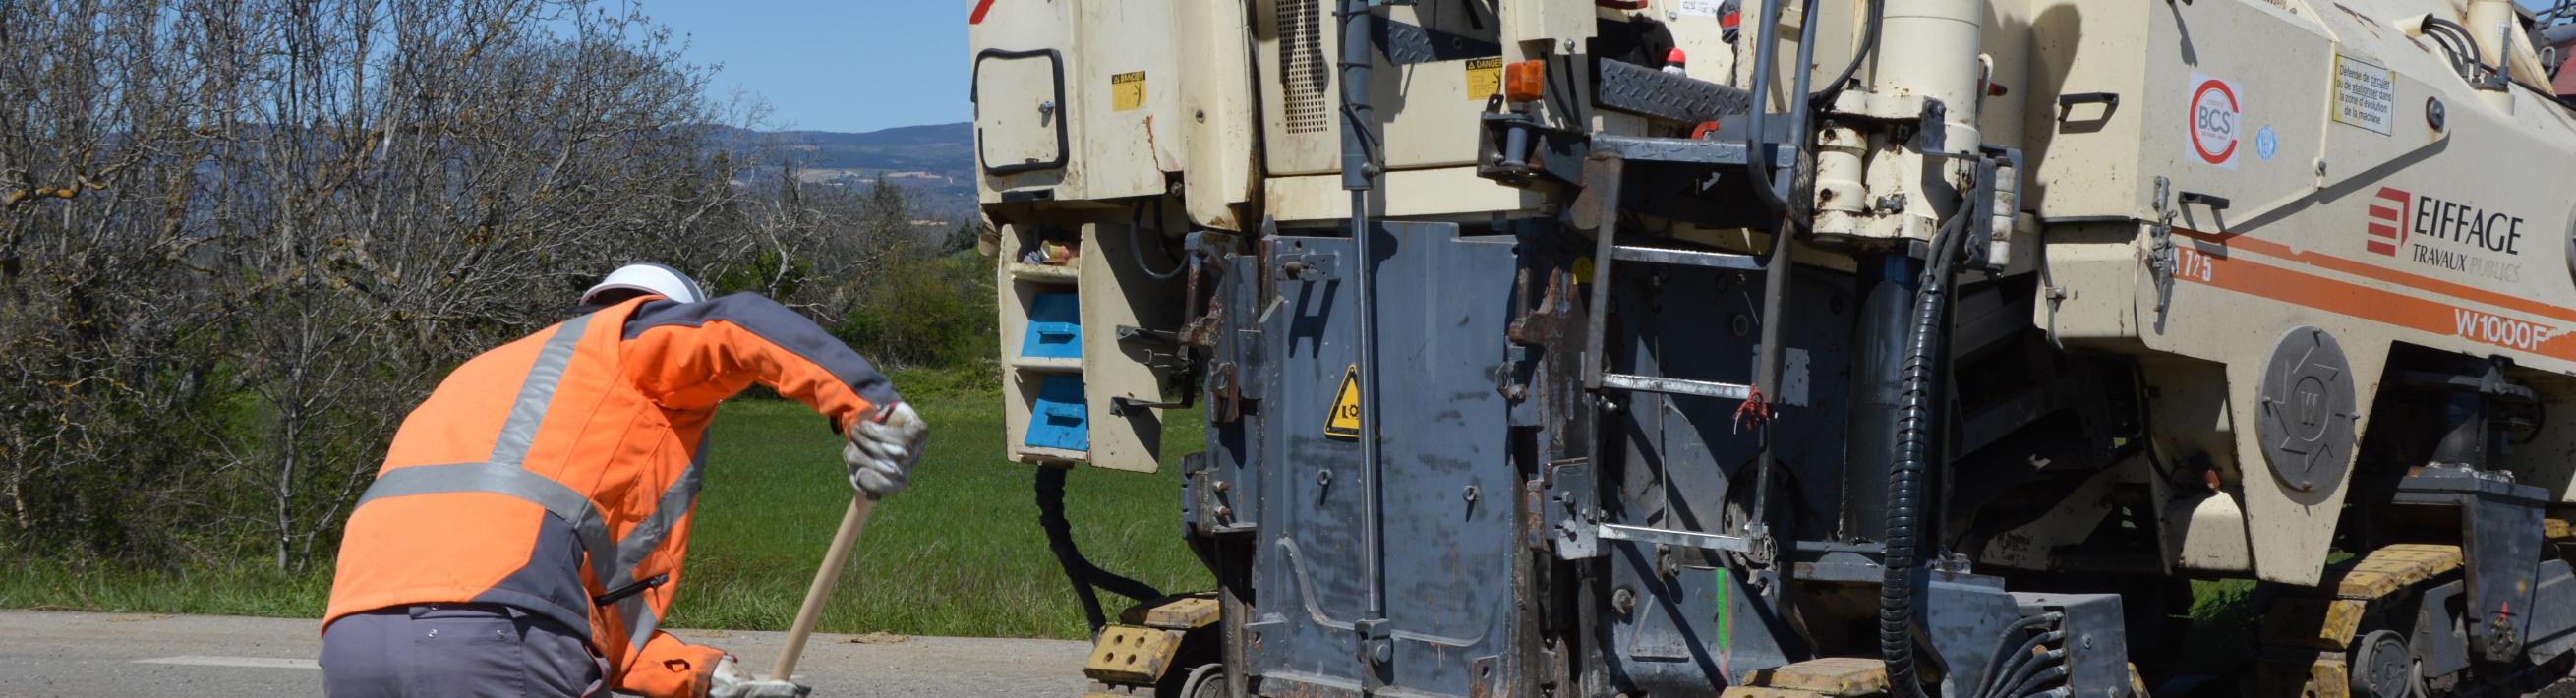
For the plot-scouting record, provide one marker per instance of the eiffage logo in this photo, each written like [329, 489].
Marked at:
[2388, 220]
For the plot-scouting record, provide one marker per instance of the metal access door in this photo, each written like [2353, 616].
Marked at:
[1447, 502]
[1019, 99]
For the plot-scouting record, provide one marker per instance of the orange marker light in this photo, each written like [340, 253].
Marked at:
[1522, 80]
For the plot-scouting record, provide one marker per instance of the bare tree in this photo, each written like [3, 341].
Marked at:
[238, 239]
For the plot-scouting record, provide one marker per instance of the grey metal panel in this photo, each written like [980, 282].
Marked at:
[2553, 612]
[1962, 615]
[1307, 562]
[2439, 640]
[1666, 629]
[1450, 489]
[1689, 632]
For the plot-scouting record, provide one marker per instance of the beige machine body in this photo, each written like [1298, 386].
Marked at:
[2276, 214]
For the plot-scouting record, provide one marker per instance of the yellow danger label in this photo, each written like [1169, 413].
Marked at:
[1484, 78]
[1127, 91]
[1344, 421]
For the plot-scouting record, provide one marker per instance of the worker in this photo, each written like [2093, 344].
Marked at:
[526, 532]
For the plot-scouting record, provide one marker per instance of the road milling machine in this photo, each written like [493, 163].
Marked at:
[1799, 349]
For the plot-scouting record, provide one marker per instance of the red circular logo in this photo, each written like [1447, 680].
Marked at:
[2213, 124]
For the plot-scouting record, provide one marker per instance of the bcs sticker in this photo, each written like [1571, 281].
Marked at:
[2215, 114]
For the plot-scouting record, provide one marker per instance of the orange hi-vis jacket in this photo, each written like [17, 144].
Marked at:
[556, 474]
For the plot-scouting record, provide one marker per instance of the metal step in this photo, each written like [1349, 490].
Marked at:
[1693, 258]
[1691, 151]
[1675, 386]
[1637, 89]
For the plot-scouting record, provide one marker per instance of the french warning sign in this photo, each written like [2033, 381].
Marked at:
[1127, 91]
[1344, 421]
[1484, 78]
[2215, 117]
[2365, 94]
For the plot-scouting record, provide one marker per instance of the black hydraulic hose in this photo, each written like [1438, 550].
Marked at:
[1758, 154]
[2025, 662]
[1917, 448]
[2448, 43]
[1868, 43]
[1084, 575]
[2044, 677]
[2451, 53]
[2454, 31]
[1136, 243]
[1996, 668]
[1059, 535]
[2456, 41]
[2023, 672]
[1121, 584]
[1995, 662]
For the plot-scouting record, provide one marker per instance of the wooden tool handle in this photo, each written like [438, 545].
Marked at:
[835, 558]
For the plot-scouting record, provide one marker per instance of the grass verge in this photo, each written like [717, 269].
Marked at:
[959, 553]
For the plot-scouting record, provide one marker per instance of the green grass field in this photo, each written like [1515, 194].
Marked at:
[959, 553]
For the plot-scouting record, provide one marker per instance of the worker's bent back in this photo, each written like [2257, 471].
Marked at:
[556, 474]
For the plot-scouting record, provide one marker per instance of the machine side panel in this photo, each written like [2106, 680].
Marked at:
[1130, 82]
[1449, 505]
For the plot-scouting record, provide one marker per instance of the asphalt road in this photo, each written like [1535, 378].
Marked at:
[49, 653]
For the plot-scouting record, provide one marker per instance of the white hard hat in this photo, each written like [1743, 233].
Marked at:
[648, 278]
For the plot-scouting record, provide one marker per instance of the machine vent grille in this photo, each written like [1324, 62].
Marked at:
[1303, 68]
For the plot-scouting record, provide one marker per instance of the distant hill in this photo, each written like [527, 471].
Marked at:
[934, 163]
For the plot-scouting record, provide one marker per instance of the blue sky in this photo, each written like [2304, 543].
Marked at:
[839, 65]
[832, 65]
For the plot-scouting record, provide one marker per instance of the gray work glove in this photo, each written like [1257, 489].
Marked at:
[730, 682]
[882, 450]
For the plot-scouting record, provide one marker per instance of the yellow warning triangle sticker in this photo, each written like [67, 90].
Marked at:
[1344, 421]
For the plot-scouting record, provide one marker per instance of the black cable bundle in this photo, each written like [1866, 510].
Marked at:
[2457, 45]
[1918, 437]
[2020, 660]
[1085, 576]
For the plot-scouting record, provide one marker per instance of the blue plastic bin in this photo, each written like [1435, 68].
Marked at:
[1055, 327]
[1060, 419]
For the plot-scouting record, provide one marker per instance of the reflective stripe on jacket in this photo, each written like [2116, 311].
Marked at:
[556, 469]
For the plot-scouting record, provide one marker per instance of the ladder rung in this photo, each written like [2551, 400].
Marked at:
[1687, 539]
[1695, 258]
[1675, 386]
